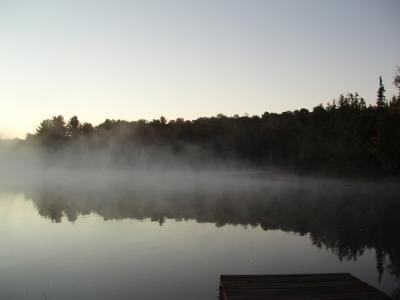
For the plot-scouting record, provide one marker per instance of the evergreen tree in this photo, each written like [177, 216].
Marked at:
[381, 100]
[73, 126]
[396, 79]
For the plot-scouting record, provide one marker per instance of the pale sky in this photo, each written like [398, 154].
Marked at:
[143, 59]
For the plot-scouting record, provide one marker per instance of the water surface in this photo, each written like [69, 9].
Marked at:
[134, 239]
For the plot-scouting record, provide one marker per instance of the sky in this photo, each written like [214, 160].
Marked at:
[184, 58]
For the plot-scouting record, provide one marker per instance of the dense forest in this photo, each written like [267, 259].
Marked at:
[344, 136]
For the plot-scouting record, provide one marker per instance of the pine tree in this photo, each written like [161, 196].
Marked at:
[395, 102]
[396, 79]
[381, 100]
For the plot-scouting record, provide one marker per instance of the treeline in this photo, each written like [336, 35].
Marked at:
[345, 135]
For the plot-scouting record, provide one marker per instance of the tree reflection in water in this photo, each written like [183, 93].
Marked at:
[347, 218]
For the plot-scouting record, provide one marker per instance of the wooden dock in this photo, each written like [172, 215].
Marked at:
[297, 286]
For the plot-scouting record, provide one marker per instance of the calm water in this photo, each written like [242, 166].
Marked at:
[132, 239]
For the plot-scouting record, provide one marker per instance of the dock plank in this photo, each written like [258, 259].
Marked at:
[331, 286]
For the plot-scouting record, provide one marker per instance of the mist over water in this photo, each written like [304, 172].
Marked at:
[204, 146]
[88, 226]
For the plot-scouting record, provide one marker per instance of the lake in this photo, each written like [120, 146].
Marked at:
[170, 236]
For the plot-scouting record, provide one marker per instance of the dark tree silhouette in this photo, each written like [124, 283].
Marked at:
[381, 100]
[52, 132]
[344, 137]
[87, 128]
[73, 127]
[396, 80]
